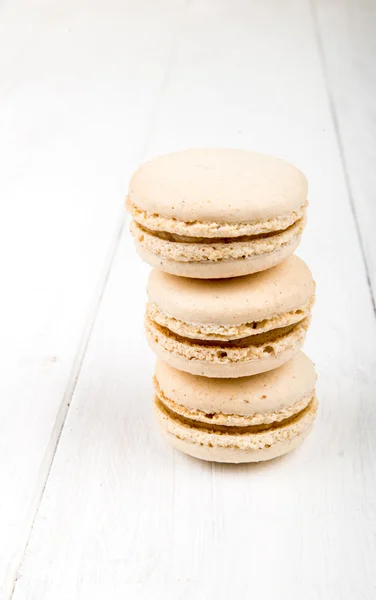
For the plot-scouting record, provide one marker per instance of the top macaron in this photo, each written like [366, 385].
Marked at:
[216, 213]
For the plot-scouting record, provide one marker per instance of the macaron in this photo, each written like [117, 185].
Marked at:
[249, 419]
[216, 213]
[230, 327]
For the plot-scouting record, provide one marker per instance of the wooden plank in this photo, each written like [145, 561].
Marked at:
[78, 90]
[346, 34]
[125, 515]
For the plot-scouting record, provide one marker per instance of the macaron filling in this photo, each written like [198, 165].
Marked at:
[213, 229]
[261, 419]
[175, 237]
[211, 331]
[247, 438]
[252, 347]
[218, 249]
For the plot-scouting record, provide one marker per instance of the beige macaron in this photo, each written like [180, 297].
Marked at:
[230, 327]
[237, 420]
[216, 213]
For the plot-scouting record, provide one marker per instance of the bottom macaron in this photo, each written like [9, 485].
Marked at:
[249, 419]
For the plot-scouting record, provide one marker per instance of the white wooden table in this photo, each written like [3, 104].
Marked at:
[93, 503]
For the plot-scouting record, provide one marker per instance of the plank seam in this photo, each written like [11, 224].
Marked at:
[337, 132]
[70, 388]
[91, 320]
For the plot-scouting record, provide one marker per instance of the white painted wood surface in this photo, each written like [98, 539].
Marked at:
[346, 35]
[87, 91]
[78, 91]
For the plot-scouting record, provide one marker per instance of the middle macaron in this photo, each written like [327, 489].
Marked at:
[232, 327]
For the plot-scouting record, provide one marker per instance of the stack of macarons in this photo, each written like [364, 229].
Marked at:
[228, 302]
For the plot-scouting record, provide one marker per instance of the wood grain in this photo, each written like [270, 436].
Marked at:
[78, 90]
[122, 514]
[346, 35]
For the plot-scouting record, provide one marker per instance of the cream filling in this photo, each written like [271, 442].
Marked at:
[231, 419]
[215, 250]
[243, 438]
[209, 331]
[213, 229]
[271, 343]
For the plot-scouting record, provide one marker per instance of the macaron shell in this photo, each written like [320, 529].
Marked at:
[213, 229]
[236, 448]
[269, 392]
[234, 455]
[234, 420]
[207, 250]
[225, 333]
[227, 370]
[278, 290]
[217, 270]
[221, 269]
[214, 184]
